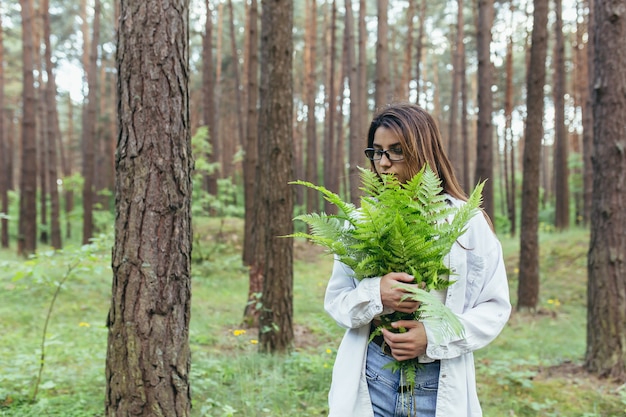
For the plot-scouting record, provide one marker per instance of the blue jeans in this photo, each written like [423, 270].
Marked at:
[389, 399]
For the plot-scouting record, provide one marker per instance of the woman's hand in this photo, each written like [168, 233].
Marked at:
[392, 292]
[407, 345]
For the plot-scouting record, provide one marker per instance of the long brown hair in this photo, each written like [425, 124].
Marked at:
[421, 142]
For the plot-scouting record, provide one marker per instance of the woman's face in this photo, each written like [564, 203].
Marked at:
[386, 140]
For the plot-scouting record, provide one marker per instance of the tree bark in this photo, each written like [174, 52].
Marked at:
[4, 156]
[51, 142]
[454, 142]
[310, 86]
[65, 151]
[42, 141]
[381, 96]
[235, 65]
[89, 129]
[606, 284]
[251, 161]
[484, 142]
[148, 356]
[509, 154]
[358, 93]
[561, 169]
[528, 287]
[208, 100]
[355, 152]
[328, 149]
[587, 118]
[275, 162]
[27, 235]
[418, 52]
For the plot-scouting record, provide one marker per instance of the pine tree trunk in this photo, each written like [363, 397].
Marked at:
[382, 56]
[561, 169]
[66, 165]
[454, 142]
[42, 162]
[275, 162]
[606, 284]
[355, 142]
[148, 356]
[587, 118]
[310, 84]
[4, 155]
[358, 94]
[51, 143]
[418, 52]
[528, 287]
[251, 313]
[329, 145]
[208, 100]
[509, 155]
[241, 119]
[484, 142]
[27, 235]
[89, 130]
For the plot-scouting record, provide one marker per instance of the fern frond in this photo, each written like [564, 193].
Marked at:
[407, 227]
[347, 208]
[444, 323]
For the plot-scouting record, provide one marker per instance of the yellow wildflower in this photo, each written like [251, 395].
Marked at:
[83, 324]
[239, 332]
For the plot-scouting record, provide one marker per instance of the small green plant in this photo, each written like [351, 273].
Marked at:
[39, 266]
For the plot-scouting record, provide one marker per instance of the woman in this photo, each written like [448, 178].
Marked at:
[401, 139]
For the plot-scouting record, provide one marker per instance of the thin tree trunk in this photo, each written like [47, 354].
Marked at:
[587, 118]
[453, 141]
[235, 56]
[418, 52]
[484, 148]
[509, 158]
[561, 169]
[310, 86]
[4, 155]
[403, 92]
[528, 286]
[208, 89]
[51, 145]
[339, 157]
[381, 96]
[466, 179]
[27, 235]
[66, 166]
[42, 139]
[358, 111]
[89, 130]
[251, 313]
[224, 160]
[331, 98]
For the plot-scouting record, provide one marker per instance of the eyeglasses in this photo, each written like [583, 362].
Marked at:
[393, 154]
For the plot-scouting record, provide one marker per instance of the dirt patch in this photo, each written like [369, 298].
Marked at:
[238, 338]
[576, 372]
[307, 251]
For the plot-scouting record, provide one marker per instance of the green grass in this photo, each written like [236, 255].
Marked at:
[532, 369]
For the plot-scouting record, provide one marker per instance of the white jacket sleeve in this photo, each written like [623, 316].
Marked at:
[480, 297]
[350, 302]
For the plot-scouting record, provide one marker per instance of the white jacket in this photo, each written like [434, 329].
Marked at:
[479, 297]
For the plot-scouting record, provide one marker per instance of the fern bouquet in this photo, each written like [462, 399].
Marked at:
[398, 228]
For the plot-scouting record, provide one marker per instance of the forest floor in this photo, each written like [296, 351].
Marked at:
[534, 368]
